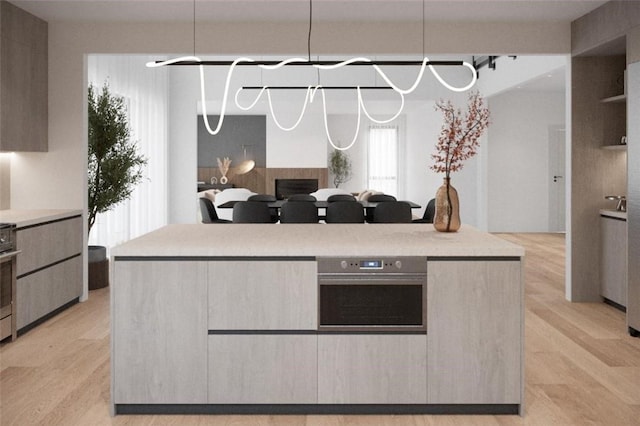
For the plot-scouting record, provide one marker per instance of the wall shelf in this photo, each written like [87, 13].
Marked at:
[614, 99]
[615, 147]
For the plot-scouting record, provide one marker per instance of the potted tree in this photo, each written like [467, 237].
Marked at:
[339, 167]
[115, 168]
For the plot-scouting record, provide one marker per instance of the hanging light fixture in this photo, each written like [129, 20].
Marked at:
[247, 165]
[312, 90]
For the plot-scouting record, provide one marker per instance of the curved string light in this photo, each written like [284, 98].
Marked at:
[311, 90]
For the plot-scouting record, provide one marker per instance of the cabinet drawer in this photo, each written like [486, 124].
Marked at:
[372, 369]
[263, 295]
[263, 369]
[40, 293]
[45, 244]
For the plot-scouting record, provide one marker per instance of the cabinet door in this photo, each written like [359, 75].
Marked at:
[263, 369]
[614, 260]
[159, 332]
[372, 369]
[45, 244]
[263, 295]
[44, 291]
[475, 323]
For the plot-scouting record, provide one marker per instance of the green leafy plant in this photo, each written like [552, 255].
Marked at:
[340, 167]
[115, 167]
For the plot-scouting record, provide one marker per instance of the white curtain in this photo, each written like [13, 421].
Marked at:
[382, 161]
[146, 93]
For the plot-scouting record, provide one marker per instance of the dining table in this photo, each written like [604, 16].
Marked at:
[319, 204]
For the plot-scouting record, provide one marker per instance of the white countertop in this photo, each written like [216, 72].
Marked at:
[22, 218]
[613, 213]
[314, 240]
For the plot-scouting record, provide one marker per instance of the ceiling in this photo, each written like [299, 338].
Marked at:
[298, 10]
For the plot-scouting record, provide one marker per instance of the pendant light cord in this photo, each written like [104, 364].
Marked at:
[423, 28]
[194, 27]
[309, 35]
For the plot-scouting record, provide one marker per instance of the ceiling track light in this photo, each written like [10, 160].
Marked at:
[313, 90]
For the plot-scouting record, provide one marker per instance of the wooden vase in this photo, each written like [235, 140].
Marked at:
[447, 217]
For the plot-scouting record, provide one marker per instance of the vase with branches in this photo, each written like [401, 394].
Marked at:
[339, 167]
[458, 141]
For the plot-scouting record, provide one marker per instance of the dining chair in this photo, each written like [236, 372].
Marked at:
[392, 212]
[429, 212]
[340, 197]
[345, 212]
[266, 198]
[302, 197]
[377, 198]
[298, 212]
[209, 214]
[251, 212]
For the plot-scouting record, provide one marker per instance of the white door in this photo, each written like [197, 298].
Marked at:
[557, 180]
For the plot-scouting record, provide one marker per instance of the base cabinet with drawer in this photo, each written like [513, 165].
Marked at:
[372, 369]
[232, 335]
[613, 260]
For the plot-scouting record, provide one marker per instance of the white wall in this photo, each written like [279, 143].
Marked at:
[58, 177]
[517, 158]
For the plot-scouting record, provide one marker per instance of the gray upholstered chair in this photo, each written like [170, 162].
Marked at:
[209, 214]
[345, 212]
[251, 212]
[298, 212]
[429, 212]
[392, 212]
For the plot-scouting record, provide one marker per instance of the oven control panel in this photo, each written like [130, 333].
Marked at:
[372, 264]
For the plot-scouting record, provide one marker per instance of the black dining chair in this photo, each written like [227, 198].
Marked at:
[429, 212]
[377, 198]
[298, 212]
[380, 198]
[208, 210]
[302, 197]
[340, 197]
[345, 212]
[266, 198]
[251, 212]
[392, 212]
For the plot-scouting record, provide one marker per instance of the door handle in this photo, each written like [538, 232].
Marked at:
[555, 178]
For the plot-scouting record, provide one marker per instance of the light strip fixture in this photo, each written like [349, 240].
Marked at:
[312, 90]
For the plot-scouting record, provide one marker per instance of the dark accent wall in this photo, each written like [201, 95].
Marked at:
[237, 130]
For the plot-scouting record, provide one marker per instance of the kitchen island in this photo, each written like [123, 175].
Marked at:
[230, 319]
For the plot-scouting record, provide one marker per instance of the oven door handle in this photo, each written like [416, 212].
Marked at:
[9, 255]
[387, 279]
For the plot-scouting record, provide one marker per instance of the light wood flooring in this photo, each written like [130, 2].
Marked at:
[582, 368]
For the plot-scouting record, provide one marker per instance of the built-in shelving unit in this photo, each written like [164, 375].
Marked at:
[618, 147]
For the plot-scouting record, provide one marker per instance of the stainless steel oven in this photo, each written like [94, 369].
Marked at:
[372, 294]
[7, 281]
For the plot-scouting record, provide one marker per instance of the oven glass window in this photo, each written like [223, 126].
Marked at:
[371, 305]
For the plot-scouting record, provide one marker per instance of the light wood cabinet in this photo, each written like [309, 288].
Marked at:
[42, 292]
[263, 295]
[372, 369]
[47, 243]
[23, 80]
[475, 338]
[49, 268]
[263, 369]
[159, 332]
[613, 266]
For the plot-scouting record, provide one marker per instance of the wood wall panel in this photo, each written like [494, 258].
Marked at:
[262, 180]
[23, 81]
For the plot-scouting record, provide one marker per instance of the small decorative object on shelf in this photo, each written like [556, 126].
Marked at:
[458, 141]
[223, 166]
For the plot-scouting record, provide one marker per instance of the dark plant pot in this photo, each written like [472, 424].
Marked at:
[98, 267]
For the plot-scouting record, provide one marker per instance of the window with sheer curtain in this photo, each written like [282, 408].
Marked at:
[382, 160]
[145, 91]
